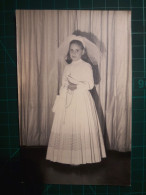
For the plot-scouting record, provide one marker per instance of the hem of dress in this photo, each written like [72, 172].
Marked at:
[74, 164]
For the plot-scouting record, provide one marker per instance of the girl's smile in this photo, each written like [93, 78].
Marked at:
[76, 52]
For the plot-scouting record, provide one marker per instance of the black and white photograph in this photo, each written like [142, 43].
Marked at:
[75, 96]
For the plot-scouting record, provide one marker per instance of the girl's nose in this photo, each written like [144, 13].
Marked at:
[74, 52]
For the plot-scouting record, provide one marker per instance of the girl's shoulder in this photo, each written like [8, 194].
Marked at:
[86, 65]
[67, 68]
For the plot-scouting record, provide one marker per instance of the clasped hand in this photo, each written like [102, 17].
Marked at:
[72, 86]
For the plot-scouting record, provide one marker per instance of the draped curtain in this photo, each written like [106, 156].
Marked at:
[39, 34]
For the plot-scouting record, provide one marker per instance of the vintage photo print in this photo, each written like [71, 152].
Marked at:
[75, 93]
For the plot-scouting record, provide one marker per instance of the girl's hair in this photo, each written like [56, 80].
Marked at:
[84, 56]
[86, 59]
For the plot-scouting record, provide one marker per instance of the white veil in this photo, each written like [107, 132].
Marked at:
[94, 53]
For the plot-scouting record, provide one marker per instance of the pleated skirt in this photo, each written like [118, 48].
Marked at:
[76, 136]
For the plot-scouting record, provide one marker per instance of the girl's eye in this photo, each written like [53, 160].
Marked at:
[74, 50]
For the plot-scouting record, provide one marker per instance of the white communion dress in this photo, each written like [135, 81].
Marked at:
[76, 136]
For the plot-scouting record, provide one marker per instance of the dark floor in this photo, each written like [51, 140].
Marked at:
[32, 167]
[114, 170]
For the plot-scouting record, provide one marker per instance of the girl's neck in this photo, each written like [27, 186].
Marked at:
[76, 61]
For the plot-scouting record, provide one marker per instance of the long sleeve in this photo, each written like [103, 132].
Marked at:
[79, 73]
[88, 82]
[64, 81]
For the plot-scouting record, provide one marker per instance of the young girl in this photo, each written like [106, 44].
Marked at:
[76, 136]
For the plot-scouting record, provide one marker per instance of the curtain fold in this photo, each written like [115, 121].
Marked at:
[39, 33]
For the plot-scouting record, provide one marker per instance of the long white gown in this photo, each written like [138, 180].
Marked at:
[76, 136]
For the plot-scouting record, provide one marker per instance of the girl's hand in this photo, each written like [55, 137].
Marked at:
[71, 80]
[72, 86]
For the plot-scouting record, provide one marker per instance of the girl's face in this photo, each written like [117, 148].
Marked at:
[76, 52]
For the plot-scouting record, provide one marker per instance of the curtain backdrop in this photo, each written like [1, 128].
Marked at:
[39, 33]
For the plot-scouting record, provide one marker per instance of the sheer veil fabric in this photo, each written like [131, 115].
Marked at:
[39, 34]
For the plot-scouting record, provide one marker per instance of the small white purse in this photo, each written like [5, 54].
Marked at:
[59, 104]
[56, 103]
